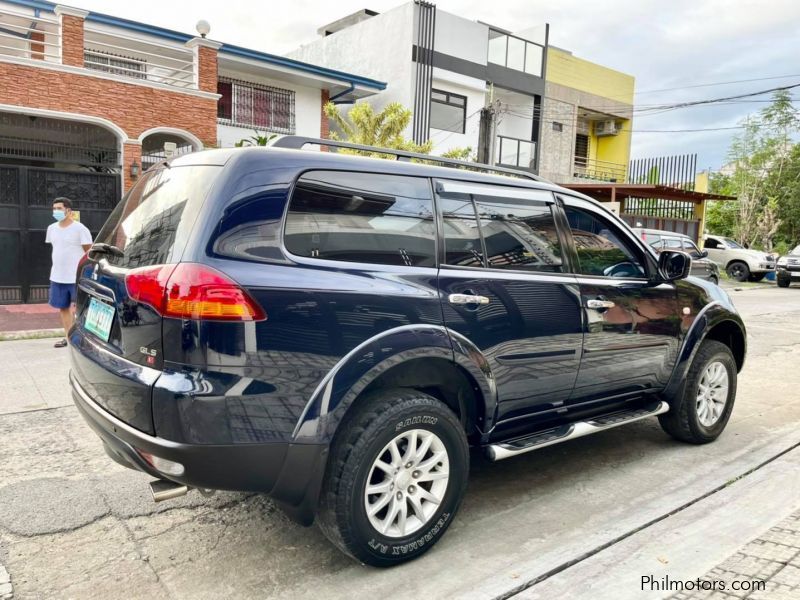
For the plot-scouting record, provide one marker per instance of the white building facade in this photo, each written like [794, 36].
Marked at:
[447, 69]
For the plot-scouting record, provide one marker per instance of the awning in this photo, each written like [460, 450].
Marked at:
[614, 192]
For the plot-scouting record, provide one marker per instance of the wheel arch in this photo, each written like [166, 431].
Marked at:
[738, 260]
[715, 322]
[729, 333]
[423, 357]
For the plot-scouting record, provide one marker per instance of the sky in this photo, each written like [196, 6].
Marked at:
[665, 44]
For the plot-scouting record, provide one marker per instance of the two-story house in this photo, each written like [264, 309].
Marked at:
[89, 100]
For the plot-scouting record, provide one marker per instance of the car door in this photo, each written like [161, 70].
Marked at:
[632, 324]
[716, 250]
[505, 285]
[701, 265]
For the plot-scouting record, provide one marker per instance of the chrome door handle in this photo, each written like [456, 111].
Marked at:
[599, 304]
[467, 299]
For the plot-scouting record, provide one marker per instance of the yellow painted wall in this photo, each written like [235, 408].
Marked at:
[570, 71]
[616, 148]
[701, 182]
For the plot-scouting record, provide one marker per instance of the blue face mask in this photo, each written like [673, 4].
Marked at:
[59, 215]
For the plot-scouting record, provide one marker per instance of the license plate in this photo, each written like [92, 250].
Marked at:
[99, 318]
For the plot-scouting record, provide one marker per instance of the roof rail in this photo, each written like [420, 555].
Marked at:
[297, 142]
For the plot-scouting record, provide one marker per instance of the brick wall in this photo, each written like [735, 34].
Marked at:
[135, 108]
[207, 75]
[131, 153]
[324, 126]
[72, 40]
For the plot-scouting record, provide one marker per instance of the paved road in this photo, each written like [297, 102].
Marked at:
[74, 524]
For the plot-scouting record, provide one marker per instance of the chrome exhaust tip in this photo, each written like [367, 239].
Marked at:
[167, 490]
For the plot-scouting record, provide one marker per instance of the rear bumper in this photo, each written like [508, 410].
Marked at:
[290, 473]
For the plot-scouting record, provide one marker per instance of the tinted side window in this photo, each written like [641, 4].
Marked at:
[462, 238]
[711, 243]
[519, 235]
[362, 217]
[601, 251]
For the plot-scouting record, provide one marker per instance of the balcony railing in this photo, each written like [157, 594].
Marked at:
[598, 170]
[515, 152]
[30, 36]
[138, 58]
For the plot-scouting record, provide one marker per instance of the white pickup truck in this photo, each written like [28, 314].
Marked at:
[741, 264]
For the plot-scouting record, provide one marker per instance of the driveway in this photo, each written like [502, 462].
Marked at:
[74, 524]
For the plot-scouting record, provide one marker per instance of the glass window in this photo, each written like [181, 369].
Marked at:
[672, 243]
[519, 235]
[688, 246]
[733, 244]
[600, 248]
[711, 243]
[448, 111]
[361, 217]
[533, 59]
[462, 238]
[225, 103]
[254, 105]
[152, 223]
[653, 240]
[497, 47]
[516, 54]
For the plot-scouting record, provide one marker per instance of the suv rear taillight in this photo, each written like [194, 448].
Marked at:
[192, 291]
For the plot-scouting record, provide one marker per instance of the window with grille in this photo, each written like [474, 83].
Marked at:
[246, 104]
[581, 149]
[117, 65]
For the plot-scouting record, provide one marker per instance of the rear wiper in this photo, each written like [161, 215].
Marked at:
[103, 248]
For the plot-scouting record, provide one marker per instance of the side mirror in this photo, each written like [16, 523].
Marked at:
[674, 265]
[704, 254]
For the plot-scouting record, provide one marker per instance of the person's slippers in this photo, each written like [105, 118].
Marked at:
[60, 343]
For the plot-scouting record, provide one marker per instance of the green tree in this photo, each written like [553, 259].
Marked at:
[762, 159]
[721, 216]
[362, 125]
[457, 153]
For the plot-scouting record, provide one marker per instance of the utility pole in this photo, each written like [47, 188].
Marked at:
[487, 135]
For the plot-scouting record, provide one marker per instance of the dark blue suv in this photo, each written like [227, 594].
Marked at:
[337, 331]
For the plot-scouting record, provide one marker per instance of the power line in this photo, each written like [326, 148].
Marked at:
[699, 85]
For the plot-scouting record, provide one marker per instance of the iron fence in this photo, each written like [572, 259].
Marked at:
[598, 170]
[672, 171]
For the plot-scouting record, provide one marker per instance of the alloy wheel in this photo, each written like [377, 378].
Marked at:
[712, 393]
[406, 483]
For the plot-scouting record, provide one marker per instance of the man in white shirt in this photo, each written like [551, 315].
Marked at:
[70, 241]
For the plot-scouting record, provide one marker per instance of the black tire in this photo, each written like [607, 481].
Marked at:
[757, 276]
[738, 270]
[682, 421]
[784, 282]
[365, 434]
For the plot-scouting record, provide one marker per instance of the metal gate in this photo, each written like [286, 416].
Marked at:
[26, 197]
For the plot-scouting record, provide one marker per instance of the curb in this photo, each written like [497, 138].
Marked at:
[31, 334]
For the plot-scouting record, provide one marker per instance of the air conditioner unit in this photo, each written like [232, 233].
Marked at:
[609, 127]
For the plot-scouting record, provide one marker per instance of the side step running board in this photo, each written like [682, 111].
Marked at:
[571, 431]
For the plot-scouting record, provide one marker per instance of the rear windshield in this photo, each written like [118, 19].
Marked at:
[152, 223]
